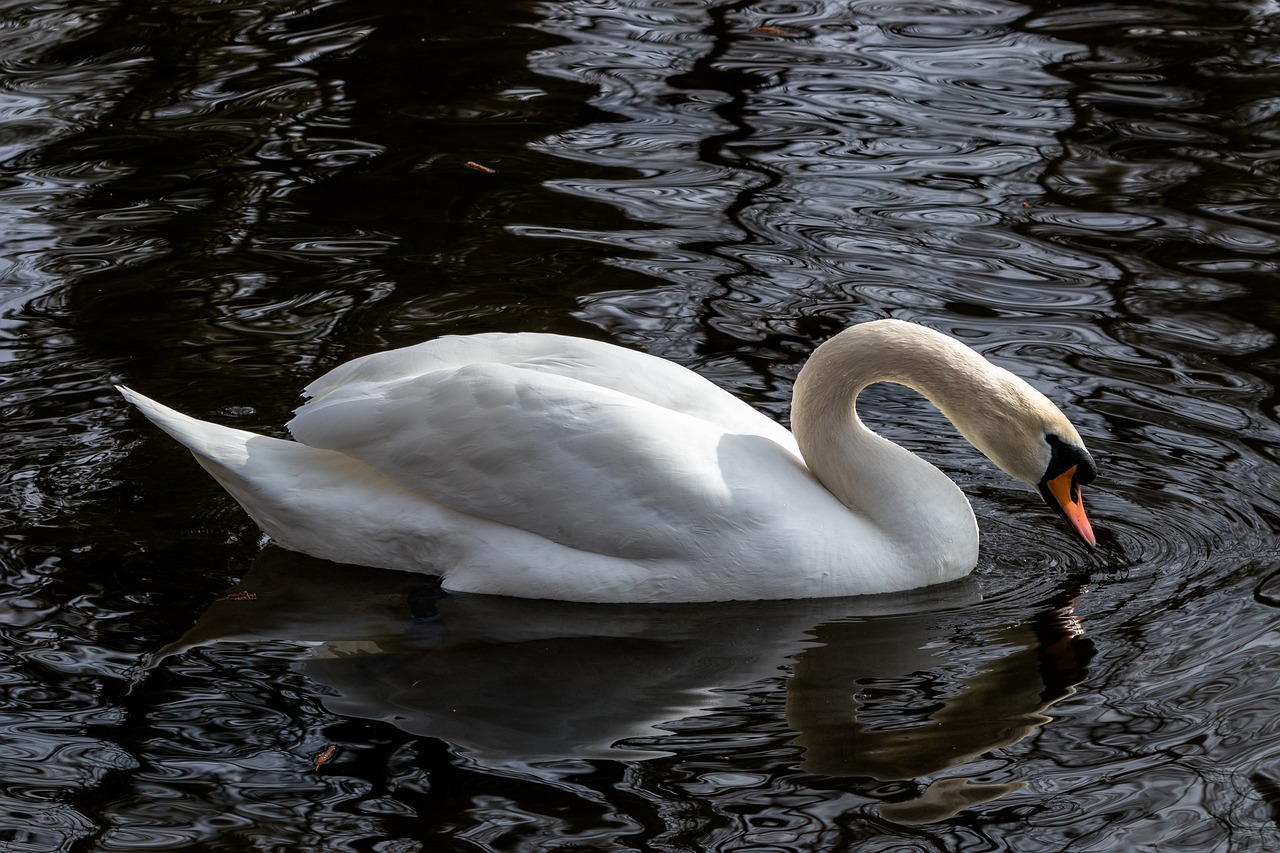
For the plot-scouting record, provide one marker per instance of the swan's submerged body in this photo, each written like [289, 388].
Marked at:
[545, 466]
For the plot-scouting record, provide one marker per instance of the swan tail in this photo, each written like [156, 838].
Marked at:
[258, 471]
[306, 499]
[207, 441]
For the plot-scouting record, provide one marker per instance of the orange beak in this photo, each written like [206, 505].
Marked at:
[1063, 494]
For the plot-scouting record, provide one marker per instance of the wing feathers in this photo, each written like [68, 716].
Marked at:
[581, 465]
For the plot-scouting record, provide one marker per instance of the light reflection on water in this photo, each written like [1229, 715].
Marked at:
[218, 201]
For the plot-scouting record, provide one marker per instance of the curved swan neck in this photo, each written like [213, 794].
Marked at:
[914, 505]
[953, 377]
[901, 493]
[1011, 423]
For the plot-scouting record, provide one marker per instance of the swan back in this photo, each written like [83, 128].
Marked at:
[604, 366]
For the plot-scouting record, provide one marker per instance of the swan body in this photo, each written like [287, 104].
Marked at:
[544, 466]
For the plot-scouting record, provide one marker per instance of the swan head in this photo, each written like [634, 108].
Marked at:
[1070, 467]
[1030, 439]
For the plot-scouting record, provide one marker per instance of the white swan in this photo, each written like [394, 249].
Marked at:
[544, 466]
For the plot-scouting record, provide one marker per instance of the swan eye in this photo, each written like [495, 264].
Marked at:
[1064, 456]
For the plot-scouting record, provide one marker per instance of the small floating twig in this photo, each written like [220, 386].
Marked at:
[780, 31]
[323, 758]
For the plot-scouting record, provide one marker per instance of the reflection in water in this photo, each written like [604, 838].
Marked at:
[970, 713]
[513, 683]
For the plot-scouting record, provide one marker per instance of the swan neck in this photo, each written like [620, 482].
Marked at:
[950, 375]
[905, 496]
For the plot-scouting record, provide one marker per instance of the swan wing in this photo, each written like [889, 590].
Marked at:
[583, 465]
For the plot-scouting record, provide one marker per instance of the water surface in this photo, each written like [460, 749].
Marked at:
[215, 202]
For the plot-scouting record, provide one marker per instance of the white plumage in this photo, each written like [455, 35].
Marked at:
[545, 466]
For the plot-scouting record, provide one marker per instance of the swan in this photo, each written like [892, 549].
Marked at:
[544, 466]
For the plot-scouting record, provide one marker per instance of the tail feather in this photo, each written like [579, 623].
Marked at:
[222, 444]
[305, 498]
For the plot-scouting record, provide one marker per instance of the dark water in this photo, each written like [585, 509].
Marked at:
[216, 201]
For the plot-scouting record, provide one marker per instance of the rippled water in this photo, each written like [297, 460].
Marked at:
[216, 201]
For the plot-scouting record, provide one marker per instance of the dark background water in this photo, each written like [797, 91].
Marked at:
[216, 201]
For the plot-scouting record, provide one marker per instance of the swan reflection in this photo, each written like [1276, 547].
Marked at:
[894, 687]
